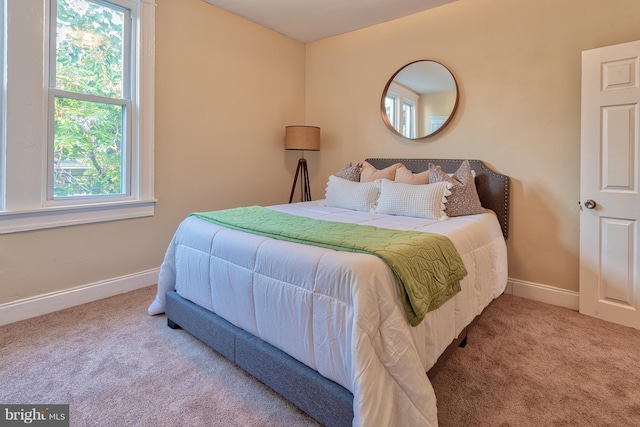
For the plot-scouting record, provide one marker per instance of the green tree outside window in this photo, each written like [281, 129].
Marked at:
[89, 151]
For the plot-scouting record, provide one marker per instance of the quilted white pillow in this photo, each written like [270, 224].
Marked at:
[420, 201]
[357, 196]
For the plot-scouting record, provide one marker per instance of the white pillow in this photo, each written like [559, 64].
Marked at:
[357, 196]
[420, 201]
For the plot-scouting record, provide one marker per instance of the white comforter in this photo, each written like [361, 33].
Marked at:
[338, 312]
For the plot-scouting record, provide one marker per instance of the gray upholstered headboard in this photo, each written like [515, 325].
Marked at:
[493, 188]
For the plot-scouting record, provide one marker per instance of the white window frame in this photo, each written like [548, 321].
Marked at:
[412, 117]
[25, 200]
[402, 96]
[394, 116]
[436, 122]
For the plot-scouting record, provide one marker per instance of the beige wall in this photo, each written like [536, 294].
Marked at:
[434, 104]
[225, 90]
[517, 63]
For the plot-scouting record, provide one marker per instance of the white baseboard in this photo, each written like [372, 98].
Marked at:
[47, 303]
[544, 293]
[54, 301]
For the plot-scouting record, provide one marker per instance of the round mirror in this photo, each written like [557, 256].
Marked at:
[419, 100]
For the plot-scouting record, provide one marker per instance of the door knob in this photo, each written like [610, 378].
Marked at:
[589, 204]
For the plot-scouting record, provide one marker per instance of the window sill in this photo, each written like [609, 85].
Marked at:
[62, 216]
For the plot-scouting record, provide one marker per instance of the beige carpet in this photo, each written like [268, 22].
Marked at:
[533, 364]
[526, 364]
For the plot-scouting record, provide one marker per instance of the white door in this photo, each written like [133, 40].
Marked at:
[609, 183]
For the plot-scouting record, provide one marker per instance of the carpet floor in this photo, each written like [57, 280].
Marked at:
[526, 364]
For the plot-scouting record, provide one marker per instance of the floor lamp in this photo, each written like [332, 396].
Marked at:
[302, 138]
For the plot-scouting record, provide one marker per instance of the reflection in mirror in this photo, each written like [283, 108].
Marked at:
[419, 100]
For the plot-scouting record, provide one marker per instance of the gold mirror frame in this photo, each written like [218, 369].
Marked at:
[416, 82]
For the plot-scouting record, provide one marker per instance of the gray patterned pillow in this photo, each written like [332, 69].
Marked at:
[464, 199]
[350, 172]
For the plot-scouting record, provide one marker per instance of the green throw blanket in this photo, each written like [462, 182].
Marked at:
[427, 265]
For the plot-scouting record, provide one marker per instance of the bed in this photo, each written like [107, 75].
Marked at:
[326, 329]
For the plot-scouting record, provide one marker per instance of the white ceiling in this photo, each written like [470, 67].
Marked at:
[311, 20]
[413, 75]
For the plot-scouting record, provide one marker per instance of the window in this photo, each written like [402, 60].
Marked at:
[90, 99]
[409, 118]
[400, 105]
[390, 102]
[78, 135]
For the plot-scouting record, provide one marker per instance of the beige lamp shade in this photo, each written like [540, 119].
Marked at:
[302, 138]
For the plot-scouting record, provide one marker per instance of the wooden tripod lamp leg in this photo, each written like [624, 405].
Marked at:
[300, 167]
[306, 188]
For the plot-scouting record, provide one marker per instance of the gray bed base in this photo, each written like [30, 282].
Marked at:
[322, 399]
